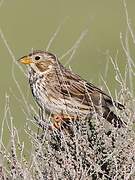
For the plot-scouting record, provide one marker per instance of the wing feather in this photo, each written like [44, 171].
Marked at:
[87, 93]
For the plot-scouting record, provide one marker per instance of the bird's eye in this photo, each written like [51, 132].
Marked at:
[37, 57]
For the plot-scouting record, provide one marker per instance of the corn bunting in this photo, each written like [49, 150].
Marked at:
[63, 94]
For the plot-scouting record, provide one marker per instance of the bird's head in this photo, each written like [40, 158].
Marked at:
[39, 61]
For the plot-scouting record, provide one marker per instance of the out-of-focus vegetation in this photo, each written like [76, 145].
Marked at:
[31, 24]
[99, 40]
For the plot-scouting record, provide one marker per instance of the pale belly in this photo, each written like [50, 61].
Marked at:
[58, 106]
[55, 105]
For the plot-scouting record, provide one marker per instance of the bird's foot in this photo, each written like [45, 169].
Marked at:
[64, 122]
[57, 120]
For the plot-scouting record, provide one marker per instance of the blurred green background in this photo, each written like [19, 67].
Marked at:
[30, 24]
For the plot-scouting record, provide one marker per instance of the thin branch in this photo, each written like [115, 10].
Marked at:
[54, 35]
[73, 49]
[3, 120]
[128, 21]
[10, 51]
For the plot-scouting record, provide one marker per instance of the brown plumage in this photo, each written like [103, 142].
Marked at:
[64, 94]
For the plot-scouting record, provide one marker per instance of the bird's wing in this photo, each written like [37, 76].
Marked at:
[84, 92]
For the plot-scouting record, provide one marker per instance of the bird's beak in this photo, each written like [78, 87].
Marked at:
[25, 60]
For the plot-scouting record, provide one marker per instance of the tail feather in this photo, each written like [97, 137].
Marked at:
[119, 105]
[112, 118]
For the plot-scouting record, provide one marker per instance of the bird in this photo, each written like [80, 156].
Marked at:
[64, 95]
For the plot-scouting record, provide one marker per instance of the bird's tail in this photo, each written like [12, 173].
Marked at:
[112, 118]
